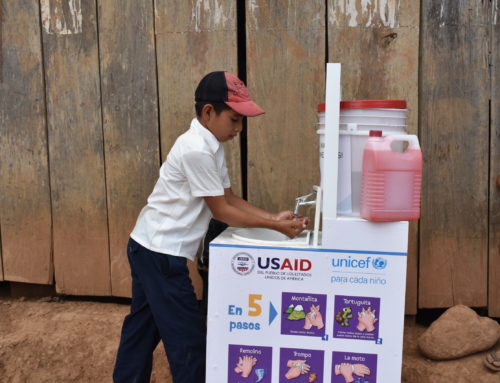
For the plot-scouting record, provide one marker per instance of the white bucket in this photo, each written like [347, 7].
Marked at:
[357, 118]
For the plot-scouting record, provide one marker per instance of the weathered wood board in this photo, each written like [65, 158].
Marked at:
[286, 77]
[1, 80]
[1, 261]
[377, 44]
[454, 118]
[411, 297]
[81, 248]
[130, 122]
[25, 214]
[193, 38]
[494, 240]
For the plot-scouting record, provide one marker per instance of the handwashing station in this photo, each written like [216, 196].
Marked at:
[325, 306]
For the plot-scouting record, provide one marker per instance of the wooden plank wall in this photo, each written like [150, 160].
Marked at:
[369, 39]
[1, 261]
[286, 75]
[25, 214]
[455, 136]
[494, 224]
[130, 121]
[193, 38]
[76, 155]
[1, 104]
[95, 92]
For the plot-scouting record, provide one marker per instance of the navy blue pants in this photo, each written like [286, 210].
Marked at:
[164, 306]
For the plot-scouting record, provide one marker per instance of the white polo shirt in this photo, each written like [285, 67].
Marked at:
[176, 217]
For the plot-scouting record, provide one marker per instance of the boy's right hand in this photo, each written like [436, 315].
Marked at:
[292, 227]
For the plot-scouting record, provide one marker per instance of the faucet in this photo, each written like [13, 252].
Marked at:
[303, 201]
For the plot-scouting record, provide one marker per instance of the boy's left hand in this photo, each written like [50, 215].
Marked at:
[305, 220]
[283, 215]
[288, 215]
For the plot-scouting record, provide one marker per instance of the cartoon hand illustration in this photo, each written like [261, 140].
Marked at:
[297, 368]
[245, 365]
[345, 369]
[366, 320]
[315, 317]
[238, 369]
[295, 363]
[360, 369]
[307, 322]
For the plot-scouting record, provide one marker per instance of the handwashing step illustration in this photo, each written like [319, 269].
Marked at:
[301, 365]
[351, 367]
[302, 314]
[356, 318]
[249, 364]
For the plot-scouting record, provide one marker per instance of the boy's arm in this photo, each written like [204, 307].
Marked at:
[246, 206]
[234, 216]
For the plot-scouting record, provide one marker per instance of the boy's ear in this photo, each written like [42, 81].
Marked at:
[207, 108]
[206, 112]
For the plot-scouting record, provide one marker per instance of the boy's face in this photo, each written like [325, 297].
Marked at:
[224, 126]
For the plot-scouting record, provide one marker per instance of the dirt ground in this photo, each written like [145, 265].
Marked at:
[53, 339]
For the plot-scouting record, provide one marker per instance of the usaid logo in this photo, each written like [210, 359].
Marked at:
[242, 263]
[284, 264]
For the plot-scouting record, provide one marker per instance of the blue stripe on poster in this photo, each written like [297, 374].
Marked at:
[309, 249]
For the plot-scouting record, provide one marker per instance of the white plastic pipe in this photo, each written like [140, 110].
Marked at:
[331, 141]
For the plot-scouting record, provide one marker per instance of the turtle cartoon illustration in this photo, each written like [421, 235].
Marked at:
[342, 317]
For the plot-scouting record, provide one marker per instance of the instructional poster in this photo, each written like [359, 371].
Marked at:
[304, 315]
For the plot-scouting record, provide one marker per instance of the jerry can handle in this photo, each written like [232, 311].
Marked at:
[410, 138]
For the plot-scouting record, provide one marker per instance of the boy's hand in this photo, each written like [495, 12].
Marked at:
[304, 219]
[291, 227]
[288, 215]
[283, 215]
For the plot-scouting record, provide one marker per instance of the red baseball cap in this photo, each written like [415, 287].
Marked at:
[225, 87]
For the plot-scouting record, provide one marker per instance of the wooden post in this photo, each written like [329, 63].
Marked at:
[81, 248]
[193, 38]
[379, 49]
[1, 261]
[130, 122]
[286, 77]
[454, 119]
[25, 217]
[494, 250]
[1, 80]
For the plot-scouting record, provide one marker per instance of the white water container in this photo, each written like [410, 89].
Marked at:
[357, 118]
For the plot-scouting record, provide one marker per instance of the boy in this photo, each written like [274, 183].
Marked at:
[193, 186]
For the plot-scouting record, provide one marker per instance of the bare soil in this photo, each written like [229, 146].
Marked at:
[61, 340]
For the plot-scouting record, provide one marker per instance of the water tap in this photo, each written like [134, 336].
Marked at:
[303, 201]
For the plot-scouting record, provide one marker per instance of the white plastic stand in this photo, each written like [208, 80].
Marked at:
[325, 313]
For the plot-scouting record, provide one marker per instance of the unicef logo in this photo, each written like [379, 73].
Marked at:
[379, 263]
[242, 263]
